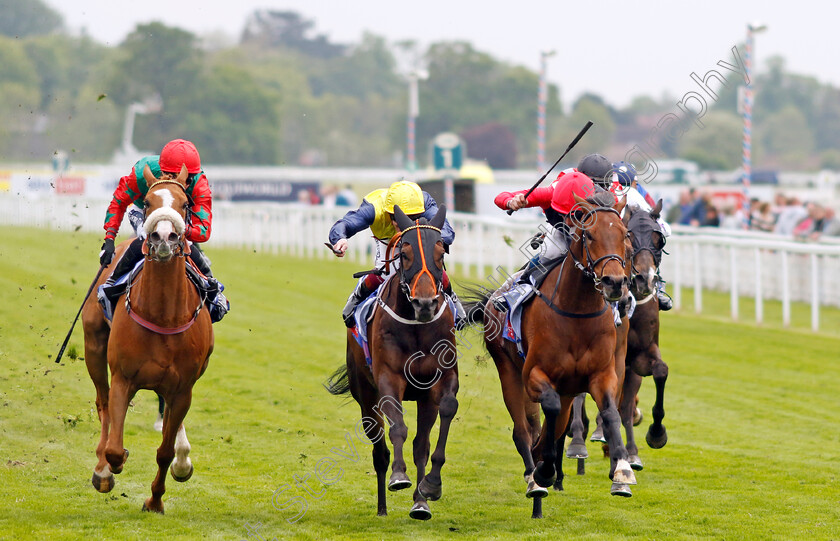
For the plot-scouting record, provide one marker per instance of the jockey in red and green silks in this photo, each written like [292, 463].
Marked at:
[376, 212]
[128, 199]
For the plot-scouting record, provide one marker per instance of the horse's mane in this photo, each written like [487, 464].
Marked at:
[602, 199]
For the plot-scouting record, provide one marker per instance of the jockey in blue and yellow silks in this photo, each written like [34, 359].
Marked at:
[377, 213]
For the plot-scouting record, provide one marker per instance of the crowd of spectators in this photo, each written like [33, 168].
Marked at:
[785, 215]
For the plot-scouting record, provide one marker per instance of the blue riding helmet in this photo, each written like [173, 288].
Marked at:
[625, 172]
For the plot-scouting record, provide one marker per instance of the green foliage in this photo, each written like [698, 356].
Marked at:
[750, 453]
[716, 146]
[24, 18]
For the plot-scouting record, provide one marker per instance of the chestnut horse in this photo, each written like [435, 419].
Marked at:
[643, 355]
[569, 336]
[412, 349]
[160, 338]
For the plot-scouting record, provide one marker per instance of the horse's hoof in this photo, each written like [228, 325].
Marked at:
[542, 479]
[430, 490]
[598, 435]
[534, 490]
[620, 489]
[636, 462]
[382, 513]
[420, 511]
[181, 479]
[656, 441]
[637, 417]
[558, 485]
[147, 508]
[624, 473]
[399, 481]
[577, 450]
[105, 482]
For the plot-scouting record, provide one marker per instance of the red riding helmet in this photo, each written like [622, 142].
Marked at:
[563, 198]
[180, 152]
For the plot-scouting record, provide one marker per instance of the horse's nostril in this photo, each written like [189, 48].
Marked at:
[173, 237]
[154, 237]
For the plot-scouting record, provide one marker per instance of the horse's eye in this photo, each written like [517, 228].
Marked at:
[145, 204]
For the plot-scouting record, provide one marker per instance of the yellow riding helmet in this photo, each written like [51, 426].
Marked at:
[407, 195]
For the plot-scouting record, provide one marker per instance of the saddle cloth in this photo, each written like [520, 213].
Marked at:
[364, 315]
[217, 303]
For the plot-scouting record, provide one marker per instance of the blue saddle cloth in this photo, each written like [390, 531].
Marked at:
[513, 302]
[364, 315]
[108, 296]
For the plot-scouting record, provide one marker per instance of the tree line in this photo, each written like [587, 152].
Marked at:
[282, 94]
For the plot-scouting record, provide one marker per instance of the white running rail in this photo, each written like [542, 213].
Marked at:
[745, 264]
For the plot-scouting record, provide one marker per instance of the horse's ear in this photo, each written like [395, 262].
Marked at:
[182, 176]
[628, 213]
[622, 202]
[657, 210]
[403, 221]
[148, 176]
[439, 218]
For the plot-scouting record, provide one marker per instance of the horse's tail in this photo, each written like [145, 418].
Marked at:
[338, 383]
[474, 300]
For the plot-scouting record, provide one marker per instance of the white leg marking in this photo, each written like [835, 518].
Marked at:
[182, 464]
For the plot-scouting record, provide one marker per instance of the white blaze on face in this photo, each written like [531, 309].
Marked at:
[164, 219]
[165, 196]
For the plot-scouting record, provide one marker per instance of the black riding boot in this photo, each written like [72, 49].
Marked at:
[359, 294]
[665, 302]
[129, 259]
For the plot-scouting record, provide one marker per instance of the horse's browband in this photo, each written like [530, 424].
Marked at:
[167, 181]
[419, 226]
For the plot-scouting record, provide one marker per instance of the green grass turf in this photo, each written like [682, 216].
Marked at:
[751, 414]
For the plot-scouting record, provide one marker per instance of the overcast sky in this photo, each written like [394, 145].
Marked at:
[617, 49]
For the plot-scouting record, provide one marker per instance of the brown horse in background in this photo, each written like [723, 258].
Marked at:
[643, 356]
[412, 349]
[160, 338]
[569, 336]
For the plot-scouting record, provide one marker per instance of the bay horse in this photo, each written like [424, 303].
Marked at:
[160, 338]
[570, 339]
[643, 355]
[413, 357]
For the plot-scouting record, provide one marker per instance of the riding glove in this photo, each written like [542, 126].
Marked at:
[107, 253]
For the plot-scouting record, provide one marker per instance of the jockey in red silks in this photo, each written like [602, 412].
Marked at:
[128, 199]
[557, 200]
[377, 213]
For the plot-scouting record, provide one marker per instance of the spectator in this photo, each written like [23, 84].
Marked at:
[831, 227]
[731, 219]
[699, 214]
[681, 210]
[763, 219]
[711, 217]
[347, 198]
[789, 215]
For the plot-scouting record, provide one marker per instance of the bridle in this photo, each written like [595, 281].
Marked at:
[588, 270]
[182, 242]
[407, 289]
[638, 248]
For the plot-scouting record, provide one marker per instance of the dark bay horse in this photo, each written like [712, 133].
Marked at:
[160, 339]
[570, 340]
[412, 349]
[643, 355]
